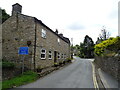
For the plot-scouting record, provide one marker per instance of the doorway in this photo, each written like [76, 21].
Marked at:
[55, 56]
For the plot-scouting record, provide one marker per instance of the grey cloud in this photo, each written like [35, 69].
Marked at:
[114, 14]
[76, 26]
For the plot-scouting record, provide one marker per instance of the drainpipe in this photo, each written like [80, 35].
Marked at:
[17, 22]
[69, 50]
[35, 45]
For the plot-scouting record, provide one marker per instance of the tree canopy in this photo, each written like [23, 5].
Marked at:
[87, 47]
[103, 36]
[4, 15]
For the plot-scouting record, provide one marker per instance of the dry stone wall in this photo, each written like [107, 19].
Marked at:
[110, 65]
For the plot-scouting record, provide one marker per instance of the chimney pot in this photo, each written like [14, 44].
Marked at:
[56, 31]
[16, 8]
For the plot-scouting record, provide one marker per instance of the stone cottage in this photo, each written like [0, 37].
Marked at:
[46, 47]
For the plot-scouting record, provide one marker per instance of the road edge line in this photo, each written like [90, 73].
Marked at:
[94, 77]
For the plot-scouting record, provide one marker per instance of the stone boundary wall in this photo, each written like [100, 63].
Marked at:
[110, 65]
[10, 73]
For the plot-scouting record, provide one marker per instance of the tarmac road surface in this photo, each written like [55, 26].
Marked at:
[79, 74]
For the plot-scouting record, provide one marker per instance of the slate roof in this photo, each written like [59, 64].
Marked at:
[39, 21]
[59, 35]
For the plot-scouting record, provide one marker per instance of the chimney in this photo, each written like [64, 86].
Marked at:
[16, 8]
[56, 31]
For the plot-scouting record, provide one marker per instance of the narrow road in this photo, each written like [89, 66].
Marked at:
[76, 75]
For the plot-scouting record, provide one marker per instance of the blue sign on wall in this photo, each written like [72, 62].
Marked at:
[23, 50]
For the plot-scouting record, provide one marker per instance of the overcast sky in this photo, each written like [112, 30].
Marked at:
[73, 18]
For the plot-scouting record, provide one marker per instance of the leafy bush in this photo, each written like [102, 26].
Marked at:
[112, 44]
[6, 64]
[60, 63]
[56, 64]
[64, 62]
[68, 59]
[39, 68]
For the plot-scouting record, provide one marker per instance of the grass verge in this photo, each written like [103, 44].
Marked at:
[25, 78]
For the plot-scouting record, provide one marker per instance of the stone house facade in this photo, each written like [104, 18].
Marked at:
[46, 47]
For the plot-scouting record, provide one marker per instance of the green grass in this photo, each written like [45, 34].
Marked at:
[27, 77]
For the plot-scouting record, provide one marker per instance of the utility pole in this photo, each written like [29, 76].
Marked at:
[72, 48]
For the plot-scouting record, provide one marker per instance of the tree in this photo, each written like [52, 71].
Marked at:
[75, 49]
[4, 15]
[82, 50]
[87, 47]
[103, 36]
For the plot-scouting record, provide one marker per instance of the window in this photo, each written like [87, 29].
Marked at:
[3, 40]
[58, 55]
[58, 41]
[50, 55]
[43, 53]
[43, 33]
[62, 56]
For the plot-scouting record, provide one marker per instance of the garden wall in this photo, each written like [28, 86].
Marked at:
[110, 65]
[10, 73]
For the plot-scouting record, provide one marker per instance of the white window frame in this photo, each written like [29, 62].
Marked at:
[43, 33]
[58, 40]
[43, 53]
[50, 54]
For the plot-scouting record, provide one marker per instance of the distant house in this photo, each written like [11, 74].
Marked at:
[46, 47]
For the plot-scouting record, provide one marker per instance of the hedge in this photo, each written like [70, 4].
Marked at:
[112, 44]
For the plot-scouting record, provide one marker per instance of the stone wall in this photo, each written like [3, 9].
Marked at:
[16, 31]
[110, 65]
[20, 29]
[10, 73]
[50, 43]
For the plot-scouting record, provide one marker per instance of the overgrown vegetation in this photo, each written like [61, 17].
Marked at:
[85, 49]
[112, 44]
[68, 60]
[26, 77]
[104, 35]
[6, 64]
[4, 15]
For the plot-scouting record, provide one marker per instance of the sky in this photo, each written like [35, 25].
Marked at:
[74, 18]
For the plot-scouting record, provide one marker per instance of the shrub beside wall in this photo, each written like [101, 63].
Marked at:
[112, 44]
[107, 56]
[9, 70]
